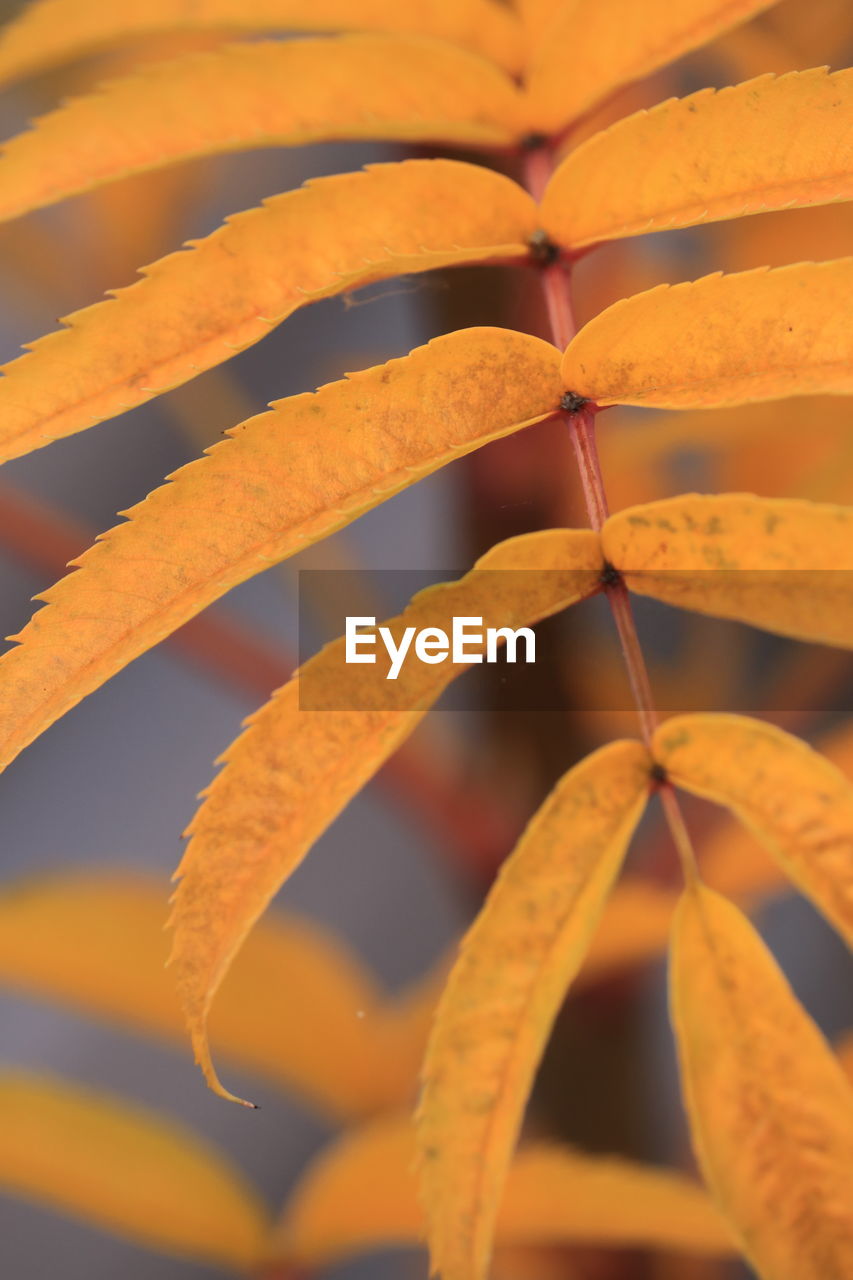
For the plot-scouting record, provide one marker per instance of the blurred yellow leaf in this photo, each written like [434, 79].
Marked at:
[283, 480]
[125, 1170]
[278, 93]
[596, 46]
[628, 441]
[780, 237]
[777, 563]
[770, 1109]
[788, 36]
[674, 166]
[295, 768]
[361, 1195]
[495, 1016]
[634, 927]
[723, 340]
[794, 801]
[295, 1006]
[50, 32]
[193, 310]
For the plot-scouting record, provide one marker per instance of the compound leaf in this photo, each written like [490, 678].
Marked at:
[674, 166]
[596, 46]
[194, 309]
[770, 1109]
[361, 1194]
[793, 800]
[285, 93]
[323, 735]
[60, 935]
[783, 564]
[50, 32]
[126, 1170]
[496, 1013]
[283, 480]
[722, 340]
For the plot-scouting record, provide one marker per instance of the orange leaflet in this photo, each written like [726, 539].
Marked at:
[60, 936]
[496, 1013]
[294, 769]
[49, 32]
[674, 166]
[194, 309]
[794, 801]
[723, 340]
[598, 45]
[283, 480]
[361, 1195]
[779, 563]
[126, 1170]
[285, 93]
[770, 1109]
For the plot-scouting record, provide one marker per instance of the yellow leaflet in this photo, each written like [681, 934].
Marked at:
[49, 32]
[361, 1195]
[60, 936]
[496, 1013]
[194, 309]
[294, 769]
[722, 340]
[283, 480]
[770, 1109]
[634, 928]
[794, 801]
[598, 45]
[260, 95]
[125, 1170]
[783, 564]
[675, 165]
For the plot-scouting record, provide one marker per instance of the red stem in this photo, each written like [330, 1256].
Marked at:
[556, 283]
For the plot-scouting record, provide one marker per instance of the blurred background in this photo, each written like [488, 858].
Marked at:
[399, 875]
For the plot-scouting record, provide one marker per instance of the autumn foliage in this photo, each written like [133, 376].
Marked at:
[533, 91]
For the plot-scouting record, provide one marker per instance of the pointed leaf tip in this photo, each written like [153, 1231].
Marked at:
[306, 753]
